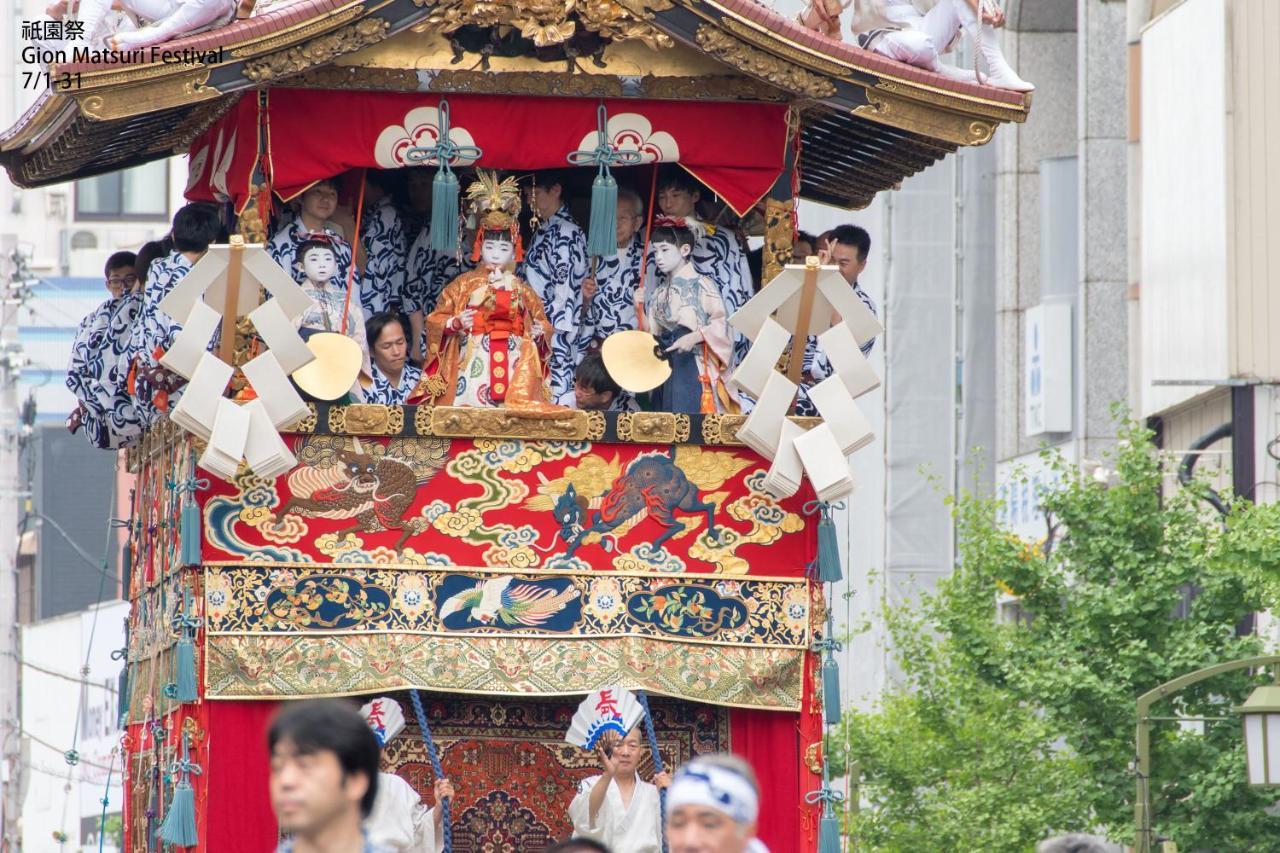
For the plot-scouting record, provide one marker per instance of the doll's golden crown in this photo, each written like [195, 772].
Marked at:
[495, 203]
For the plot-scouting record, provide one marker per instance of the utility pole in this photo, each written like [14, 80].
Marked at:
[13, 285]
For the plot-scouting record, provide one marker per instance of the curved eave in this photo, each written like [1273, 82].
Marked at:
[867, 122]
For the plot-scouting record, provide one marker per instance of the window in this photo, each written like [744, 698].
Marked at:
[138, 193]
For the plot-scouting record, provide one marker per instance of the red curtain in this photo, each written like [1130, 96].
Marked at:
[772, 742]
[737, 149]
[238, 816]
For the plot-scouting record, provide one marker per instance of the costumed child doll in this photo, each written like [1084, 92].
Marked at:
[488, 338]
[685, 312]
[616, 807]
[400, 821]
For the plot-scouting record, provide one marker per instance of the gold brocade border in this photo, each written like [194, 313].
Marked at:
[258, 667]
[675, 577]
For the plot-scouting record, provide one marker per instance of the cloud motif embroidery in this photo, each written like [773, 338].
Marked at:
[421, 129]
[634, 132]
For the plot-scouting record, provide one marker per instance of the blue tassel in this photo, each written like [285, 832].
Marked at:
[444, 210]
[829, 835]
[179, 827]
[186, 689]
[189, 532]
[122, 695]
[829, 570]
[126, 565]
[831, 690]
[602, 236]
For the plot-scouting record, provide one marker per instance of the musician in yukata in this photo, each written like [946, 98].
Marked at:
[556, 267]
[717, 254]
[488, 337]
[155, 389]
[393, 377]
[99, 368]
[594, 390]
[683, 309]
[383, 239]
[316, 213]
[428, 271]
[847, 249]
[610, 294]
[399, 821]
[617, 807]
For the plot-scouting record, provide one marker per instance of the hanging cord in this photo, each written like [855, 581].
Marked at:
[652, 734]
[106, 800]
[984, 7]
[355, 242]
[648, 232]
[436, 767]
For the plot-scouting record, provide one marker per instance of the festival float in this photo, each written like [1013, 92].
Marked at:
[484, 566]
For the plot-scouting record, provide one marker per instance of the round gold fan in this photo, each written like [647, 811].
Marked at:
[635, 360]
[336, 366]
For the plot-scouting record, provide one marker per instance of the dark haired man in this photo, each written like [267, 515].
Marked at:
[593, 387]
[717, 253]
[847, 248]
[156, 389]
[99, 367]
[556, 267]
[316, 213]
[385, 247]
[324, 777]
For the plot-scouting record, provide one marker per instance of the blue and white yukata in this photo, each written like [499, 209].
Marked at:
[429, 271]
[614, 307]
[382, 391]
[284, 244]
[98, 373]
[818, 365]
[382, 235]
[555, 267]
[718, 256]
[153, 328]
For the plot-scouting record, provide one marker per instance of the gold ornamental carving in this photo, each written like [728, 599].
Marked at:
[422, 420]
[307, 424]
[907, 114]
[548, 22]
[353, 77]
[813, 756]
[466, 422]
[779, 234]
[528, 83]
[366, 419]
[318, 51]
[758, 63]
[596, 426]
[771, 41]
[126, 101]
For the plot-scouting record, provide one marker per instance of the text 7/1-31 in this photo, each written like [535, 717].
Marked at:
[45, 80]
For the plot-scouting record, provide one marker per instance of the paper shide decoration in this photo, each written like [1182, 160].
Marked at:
[801, 301]
[222, 287]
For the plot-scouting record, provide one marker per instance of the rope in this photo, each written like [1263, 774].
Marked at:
[436, 767]
[106, 799]
[355, 244]
[643, 699]
[648, 232]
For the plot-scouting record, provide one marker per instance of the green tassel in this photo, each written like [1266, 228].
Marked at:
[122, 695]
[829, 835]
[179, 827]
[831, 690]
[444, 211]
[829, 570]
[189, 532]
[602, 236]
[185, 689]
[126, 564]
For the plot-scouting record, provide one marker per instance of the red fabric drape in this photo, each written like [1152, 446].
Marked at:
[736, 149]
[238, 816]
[772, 743]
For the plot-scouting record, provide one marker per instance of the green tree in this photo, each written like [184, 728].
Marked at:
[1003, 734]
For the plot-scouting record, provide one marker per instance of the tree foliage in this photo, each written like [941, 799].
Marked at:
[1003, 734]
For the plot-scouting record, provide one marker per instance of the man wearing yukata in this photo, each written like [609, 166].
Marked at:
[610, 295]
[155, 389]
[617, 807]
[382, 236]
[847, 248]
[556, 267]
[99, 368]
[717, 254]
[428, 271]
[317, 213]
[392, 376]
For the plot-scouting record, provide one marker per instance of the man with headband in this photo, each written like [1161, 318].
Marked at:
[712, 807]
